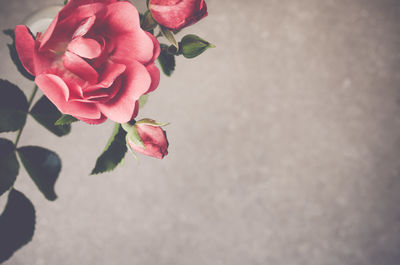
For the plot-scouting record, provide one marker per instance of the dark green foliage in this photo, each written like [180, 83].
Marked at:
[166, 60]
[66, 119]
[13, 107]
[17, 224]
[47, 115]
[113, 153]
[43, 166]
[9, 165]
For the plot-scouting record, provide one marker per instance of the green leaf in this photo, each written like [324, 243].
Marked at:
[13, 107]
[143, 100]
[66, 119]
[47, 115]
[14, 55]
[192, 46]
[169, 35]
[17, 224]
[43, 166]
[166, 60]
[9, 165]
[113, 153]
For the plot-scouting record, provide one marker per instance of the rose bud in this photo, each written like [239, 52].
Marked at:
[150, 140]
[177, 14]
[192, 46]
[94, 61]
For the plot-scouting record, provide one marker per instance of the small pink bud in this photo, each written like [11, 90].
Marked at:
[154, 139]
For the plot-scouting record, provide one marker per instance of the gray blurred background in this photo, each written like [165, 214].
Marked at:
[284, 147]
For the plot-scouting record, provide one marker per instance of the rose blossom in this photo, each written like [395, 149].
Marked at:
[177, 14]
[154, 139]
[94, 61]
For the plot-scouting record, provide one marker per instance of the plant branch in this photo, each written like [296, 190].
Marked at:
[32, 96]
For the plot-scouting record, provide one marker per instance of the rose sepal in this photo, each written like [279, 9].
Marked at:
[192, 46]
[143, 100]
[169, 35]
[148, 22]
[132, 134]
[152, 122]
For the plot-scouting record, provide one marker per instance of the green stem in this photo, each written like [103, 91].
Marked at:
[158, 35]
[35, 89]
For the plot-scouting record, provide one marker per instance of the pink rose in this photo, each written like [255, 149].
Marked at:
[94, 61]
[154, 139]
[177, 14]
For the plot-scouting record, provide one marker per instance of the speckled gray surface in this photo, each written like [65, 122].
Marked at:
[284, 148]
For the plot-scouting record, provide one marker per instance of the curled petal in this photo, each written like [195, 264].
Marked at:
[157, 49]
[103, 94]
[136, 110]
[80, 67]
[93, 121]
[109, 83]
[57, 91]
[85, 47]
[25, 46]
[122, 17]
[155, 77]
[132, 46]
[81, 9]
[127, 40]
[85, 26]
[84, 2]
[136, 82]
[49, 32]
[110, 73]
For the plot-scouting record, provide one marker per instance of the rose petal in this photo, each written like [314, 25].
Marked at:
[80, 67]
[97, 95]
[25, 45]
[43, 61]
[136, 110]
[136, 82]
[82, 2]
[85, 26]
[57, 91]
[49, 32]
[128, 40]
[155, 77]
[103, 94]
[93, 121]
[122, 17]
[110, 73]
[84, 47]
[75, 90]
[53, 87]
[80, 10]
[157, 48]
[132, 46]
